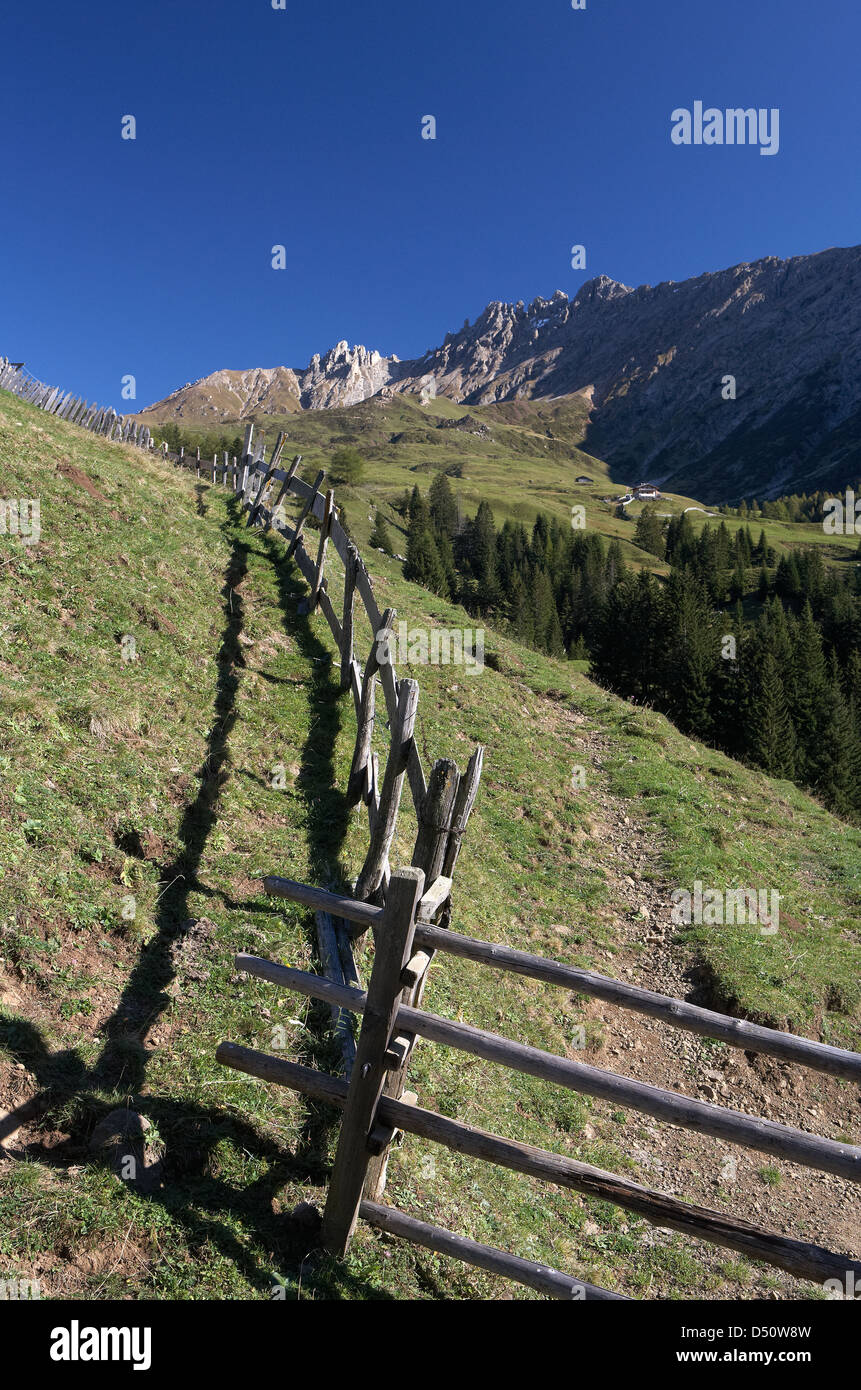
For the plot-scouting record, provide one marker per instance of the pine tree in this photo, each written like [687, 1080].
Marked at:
[417, 506]
[522, 624]
[380, 537]
[772, 737]
[807, 687]
[484, 557]
[443, 507]
[836, 760]
[424, 565]
[690, 652]
[649, 532]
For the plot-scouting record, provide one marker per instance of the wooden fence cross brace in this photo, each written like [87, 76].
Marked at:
[393, 947]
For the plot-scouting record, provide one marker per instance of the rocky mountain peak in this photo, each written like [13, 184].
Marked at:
[654, 361]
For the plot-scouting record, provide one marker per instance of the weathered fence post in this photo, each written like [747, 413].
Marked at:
[273, 464]
[323, 546]
[393, 945]
[347, 616]
[365, 716]
[246, 454]
[383, 829]
[309, 502]
[284, 486]
[435, 820]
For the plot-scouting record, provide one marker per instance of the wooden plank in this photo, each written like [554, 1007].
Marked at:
[273, 464]
[356, 685]
[365, 719]
[346, 643]
[305, 563]
[393, 944]
[438, 893]
[322, 900]
[288, 476]
[373, 792]
[330, 959]
[415, 771]
[325, 604]
[304, 491]
[322, 547]
[467, 792]
[799, 1258]
[766, 1136]
[309, 501]
[366, 593]
[677, 1012]
[435, 818]
[383, 832]
[398, 1050]
[415, 968]
[340, 540]
[247, 442]
[534, 1276]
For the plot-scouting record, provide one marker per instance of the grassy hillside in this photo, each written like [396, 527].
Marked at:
[521, 457]
[152, 779]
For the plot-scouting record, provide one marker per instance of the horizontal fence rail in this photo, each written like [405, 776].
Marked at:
[799, 1258]
[767, 1136]
[534, 1276]
[706, 1022]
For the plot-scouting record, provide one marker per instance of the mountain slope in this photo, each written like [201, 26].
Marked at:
[651, 361]
[152, 778]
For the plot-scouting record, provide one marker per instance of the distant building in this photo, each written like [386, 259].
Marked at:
[645, 490]
[584, 479]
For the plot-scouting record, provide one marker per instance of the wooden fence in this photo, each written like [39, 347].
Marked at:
[409, 912]
[443, 798]
[372, 1115]
[66, 406]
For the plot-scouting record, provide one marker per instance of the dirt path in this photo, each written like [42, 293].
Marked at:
[773, 1193]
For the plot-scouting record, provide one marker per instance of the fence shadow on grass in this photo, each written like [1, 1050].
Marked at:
[193, 1195]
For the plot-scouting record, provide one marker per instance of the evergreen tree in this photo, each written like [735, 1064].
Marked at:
[690, 652]
[424, 565]
[649, 532]
[837, 756]
[772, 737]
[443, 507]
[380, 537]
[807, 687]
[346, 466]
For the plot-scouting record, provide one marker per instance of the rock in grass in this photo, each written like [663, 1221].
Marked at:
[120, 1139]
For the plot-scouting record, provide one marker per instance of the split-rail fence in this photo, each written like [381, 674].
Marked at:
[409, 911]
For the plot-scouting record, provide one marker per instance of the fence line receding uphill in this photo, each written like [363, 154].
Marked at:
[409, 912]
[65, 405]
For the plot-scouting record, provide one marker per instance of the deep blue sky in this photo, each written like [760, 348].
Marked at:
[257, 127]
